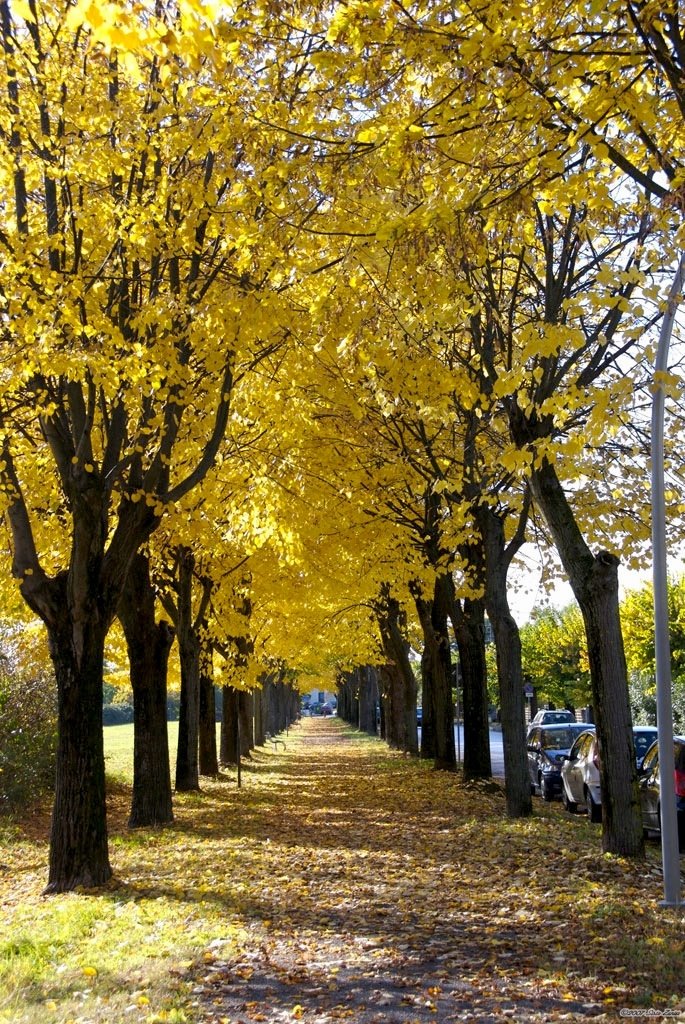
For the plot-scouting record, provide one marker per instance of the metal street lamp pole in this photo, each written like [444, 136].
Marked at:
[669, 825]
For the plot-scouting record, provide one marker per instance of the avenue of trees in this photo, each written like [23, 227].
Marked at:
[311, 316]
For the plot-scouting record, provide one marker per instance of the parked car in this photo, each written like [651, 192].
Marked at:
[549, 716]
[580, 776]
[575, 727]
[546, 746]
[643, 737]
[650, 790]
[580, 771]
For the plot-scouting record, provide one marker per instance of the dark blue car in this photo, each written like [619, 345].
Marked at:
[547, 745]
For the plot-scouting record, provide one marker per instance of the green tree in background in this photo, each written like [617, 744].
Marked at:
[637, 620]
[554, 655]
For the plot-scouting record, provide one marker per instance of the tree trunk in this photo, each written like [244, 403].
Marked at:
[594, 579]
[368, 699]
[229, 732]
[187, 763]
[437, 729]
[343, 693]
[509, 669]
[391, 705]
[78, 843]
[269, 706]
[77, 607]
[348, 698]
[148, 643]
[468, 623]
[259, 730]
[293, 705]
[246, 712]
[209, 762]
[400, 686]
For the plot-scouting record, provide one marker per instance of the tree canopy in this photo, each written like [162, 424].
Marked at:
[328, 298]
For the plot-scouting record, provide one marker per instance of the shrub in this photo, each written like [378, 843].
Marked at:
[28, 736]
[117, 714]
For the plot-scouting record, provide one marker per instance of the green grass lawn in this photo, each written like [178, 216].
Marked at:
[105, 957]
[119, 750]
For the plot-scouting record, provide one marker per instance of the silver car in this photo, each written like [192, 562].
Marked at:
[580, 777]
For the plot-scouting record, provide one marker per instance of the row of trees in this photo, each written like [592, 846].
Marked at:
[309, 316]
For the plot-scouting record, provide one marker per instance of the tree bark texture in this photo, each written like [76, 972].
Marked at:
[348, 698]
[209, 761]
[246, 712]
[259, 730]
[594, 580]
[228, 751]
[78, 842]
[148, 643]
[509, 669]
[437, 729]
[400, 687]
[280, 712]
[368, 700]
[187, 760]
[77, 608]
[468, 624]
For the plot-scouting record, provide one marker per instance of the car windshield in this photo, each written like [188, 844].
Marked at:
[643, 741]
[557, 739]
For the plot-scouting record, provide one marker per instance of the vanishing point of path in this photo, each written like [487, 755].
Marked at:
[374, 890]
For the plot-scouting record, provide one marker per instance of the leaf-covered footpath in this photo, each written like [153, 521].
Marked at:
[346, 883]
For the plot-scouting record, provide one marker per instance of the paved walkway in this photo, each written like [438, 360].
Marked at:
[390, 894]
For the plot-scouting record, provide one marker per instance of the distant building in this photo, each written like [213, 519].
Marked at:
[319, 697]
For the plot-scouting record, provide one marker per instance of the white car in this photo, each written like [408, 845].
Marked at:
[550, 716]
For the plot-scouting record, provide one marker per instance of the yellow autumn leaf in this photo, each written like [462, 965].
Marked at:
[23, 10]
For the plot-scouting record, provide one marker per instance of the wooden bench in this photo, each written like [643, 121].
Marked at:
[274, 740]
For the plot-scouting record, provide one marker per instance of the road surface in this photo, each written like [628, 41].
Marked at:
[496, 749]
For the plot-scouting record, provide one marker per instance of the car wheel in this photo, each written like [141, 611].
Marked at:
[546, 791]
[594, 811]
[570, 805]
